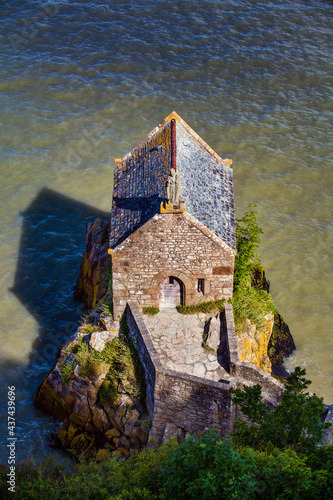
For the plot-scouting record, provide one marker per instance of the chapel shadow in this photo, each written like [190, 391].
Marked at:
[51, 248]
[131, 213]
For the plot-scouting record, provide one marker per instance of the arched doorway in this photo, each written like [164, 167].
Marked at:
[171, 293]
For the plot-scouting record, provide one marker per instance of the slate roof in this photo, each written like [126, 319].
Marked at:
[140, 183]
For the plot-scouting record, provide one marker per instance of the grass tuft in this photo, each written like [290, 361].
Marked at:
[151, 310]
[212, 306]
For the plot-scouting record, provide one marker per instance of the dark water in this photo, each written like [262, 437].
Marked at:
[82, 82]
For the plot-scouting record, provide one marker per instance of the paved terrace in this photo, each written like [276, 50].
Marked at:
[178, 338]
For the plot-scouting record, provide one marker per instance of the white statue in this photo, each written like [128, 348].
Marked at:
[173, 188]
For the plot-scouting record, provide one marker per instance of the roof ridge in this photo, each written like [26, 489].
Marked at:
[174, 115]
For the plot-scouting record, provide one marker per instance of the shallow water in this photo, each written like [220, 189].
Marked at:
[82, 82]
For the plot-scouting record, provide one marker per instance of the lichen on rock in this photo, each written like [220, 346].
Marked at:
[252, 344]
[77, 392]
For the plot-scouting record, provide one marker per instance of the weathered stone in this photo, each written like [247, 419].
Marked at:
[252, 344]
[213, 334]
[110, 325]
[172, 431]
[98, 340]
[199, 370]
[99, 419]
[112, 433]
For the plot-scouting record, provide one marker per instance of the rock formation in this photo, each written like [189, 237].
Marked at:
[92, 425]
[252, 344]
[95, 271]
[90, 422]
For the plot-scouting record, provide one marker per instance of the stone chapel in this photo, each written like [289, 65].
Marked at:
[172, 238]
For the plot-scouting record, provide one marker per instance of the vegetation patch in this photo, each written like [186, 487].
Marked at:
[250, 300]
[106, 305]
[295, 423]
[204, 466]
[66, 369]
[125, 369]
[89, 328]
[212, 306]
[107, 275]
[119, 359]
[151, 310]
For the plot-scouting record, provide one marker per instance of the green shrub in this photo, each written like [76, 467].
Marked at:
[294, 423]
[66, 370]
[207, 467]
[88, 328]
[249, 300]
[107, 275]
[107, 307]
[212, 306]
[151, 310]
[253, 304]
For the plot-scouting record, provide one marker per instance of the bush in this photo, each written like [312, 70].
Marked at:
[295, 423]
[207, 467]
[249, 300]
[212, 306]
[151, 310]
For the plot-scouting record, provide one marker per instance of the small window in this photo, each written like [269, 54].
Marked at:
[201, 285]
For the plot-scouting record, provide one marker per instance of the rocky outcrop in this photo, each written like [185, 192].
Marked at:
[252, 344]
[281, 343]
[258, 279]
[95, 271]
[89, 424]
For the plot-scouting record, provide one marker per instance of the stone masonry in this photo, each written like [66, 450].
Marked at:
[168, 245]
[166, 254]
[186, 393]
[178, 340]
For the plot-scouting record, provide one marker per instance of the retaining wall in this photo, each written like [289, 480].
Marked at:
[189, 402]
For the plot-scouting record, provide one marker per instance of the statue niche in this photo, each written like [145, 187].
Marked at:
[173, 188]
[172, 203]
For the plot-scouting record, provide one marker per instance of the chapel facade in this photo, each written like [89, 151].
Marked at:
[172, 238]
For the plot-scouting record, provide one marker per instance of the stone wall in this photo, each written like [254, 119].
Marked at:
[146, 352]
[171, 245]
[188, 402]
[191, 403]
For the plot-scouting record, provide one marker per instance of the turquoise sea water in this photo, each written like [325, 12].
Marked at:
[82, 82]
